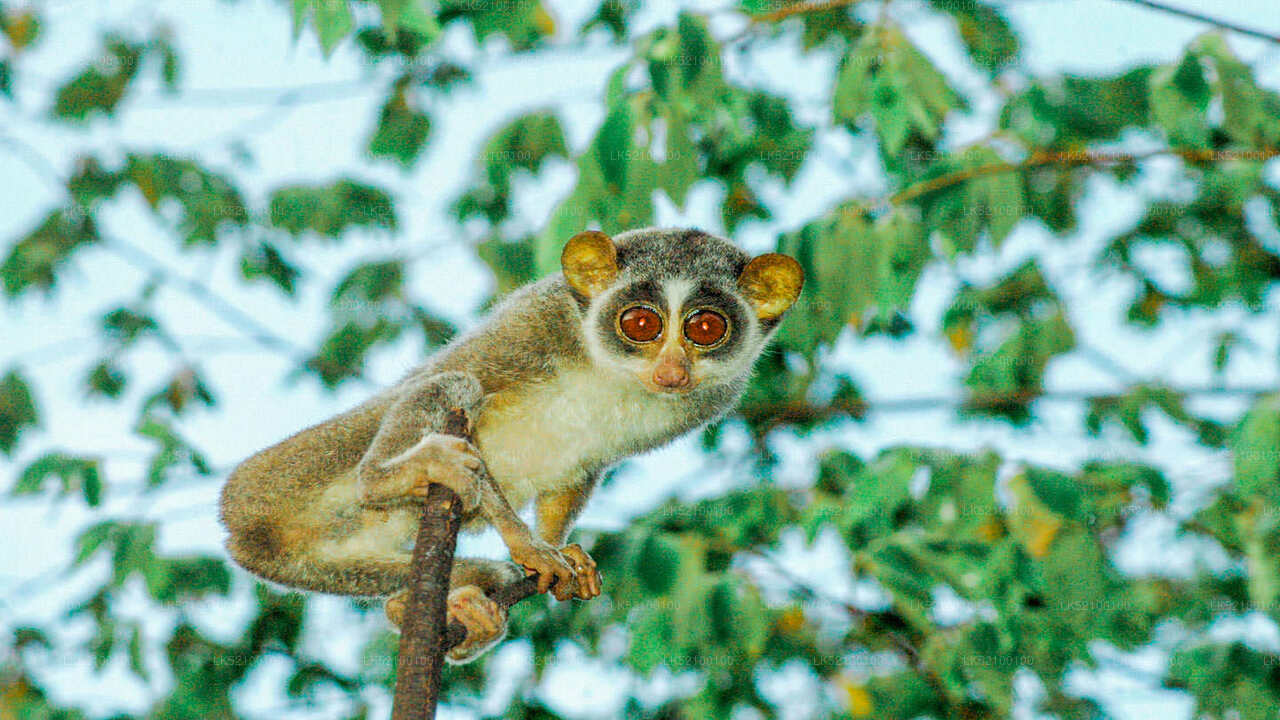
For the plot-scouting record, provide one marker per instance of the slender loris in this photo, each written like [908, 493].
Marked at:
[640, 339]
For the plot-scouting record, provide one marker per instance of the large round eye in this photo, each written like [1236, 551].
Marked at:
[640, 324]
[705, 327]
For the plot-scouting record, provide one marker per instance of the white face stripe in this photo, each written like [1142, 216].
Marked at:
[676, 291]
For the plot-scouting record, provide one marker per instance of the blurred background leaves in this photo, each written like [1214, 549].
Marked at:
[982, 571]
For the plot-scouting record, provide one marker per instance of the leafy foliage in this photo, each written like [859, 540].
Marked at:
[974, 570]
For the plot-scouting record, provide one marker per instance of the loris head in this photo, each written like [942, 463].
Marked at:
[677, 309]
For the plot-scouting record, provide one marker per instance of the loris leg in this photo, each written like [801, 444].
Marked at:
[468, 603]
[332, 508]
[556, 512]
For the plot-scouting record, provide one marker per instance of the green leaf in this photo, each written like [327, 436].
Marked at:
[333, 22]
[35, 259]
[612, 15]
[264, 261]
[1058, 491]
[511, 262]
[106, 379]
[6, 78]
[74, 473]
[988, 201]
[523, 144]
[125, 326]
[855, 273]
[1180, 97]
[91, 539]
[1255, 449]
[137, 644]
[342, 353]
[17, 410]
[181, 579]
[370, 283]
[100, 87]
[885, 75]
[1005, 381]
[330, 210]
[209, 201]
[402, 130]
[1227, 680]
[986, 34]
[657, 564]
[613, 146]
[1249, 112]
[415, 18]
[524, 23]
[1070, 110]
[171, 452]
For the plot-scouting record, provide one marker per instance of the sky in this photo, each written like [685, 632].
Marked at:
[239, 66]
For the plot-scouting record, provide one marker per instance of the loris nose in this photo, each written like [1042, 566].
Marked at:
[670, 375]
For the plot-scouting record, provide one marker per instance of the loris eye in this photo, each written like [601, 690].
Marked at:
[705, 327]
[640, 324]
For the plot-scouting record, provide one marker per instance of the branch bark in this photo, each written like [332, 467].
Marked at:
[424, 636]
[421, 659]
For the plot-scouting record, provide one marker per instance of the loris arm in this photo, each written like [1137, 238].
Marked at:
[407, 455]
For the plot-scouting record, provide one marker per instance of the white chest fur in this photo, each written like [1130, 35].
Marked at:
[541, 439]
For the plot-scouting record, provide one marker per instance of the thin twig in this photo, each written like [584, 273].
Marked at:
[772, 416]
[1070, 158]
[1216, 22]
[802, 8]
[859, 615]
[215, 303]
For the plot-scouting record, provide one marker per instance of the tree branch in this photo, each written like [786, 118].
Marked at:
[421, 659]
[206, 296]
[802, 8]
[1224, 24]
[815, 6]
[424, 636]
[772, 416]
[1069, 158]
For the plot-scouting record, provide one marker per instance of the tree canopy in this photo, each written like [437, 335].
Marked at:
[984, 581]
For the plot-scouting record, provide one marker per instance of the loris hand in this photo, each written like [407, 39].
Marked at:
[567, 572]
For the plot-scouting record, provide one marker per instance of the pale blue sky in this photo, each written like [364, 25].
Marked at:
[238, 59]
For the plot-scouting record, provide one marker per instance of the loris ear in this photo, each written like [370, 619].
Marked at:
[771, 283]
[590, 262]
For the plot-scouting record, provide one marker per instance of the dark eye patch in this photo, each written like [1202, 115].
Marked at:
[644, 293]
[709, 297]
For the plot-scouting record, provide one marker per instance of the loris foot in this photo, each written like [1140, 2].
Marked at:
[584, 571]
[436, 458]
[555, 571]
[484, 619]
